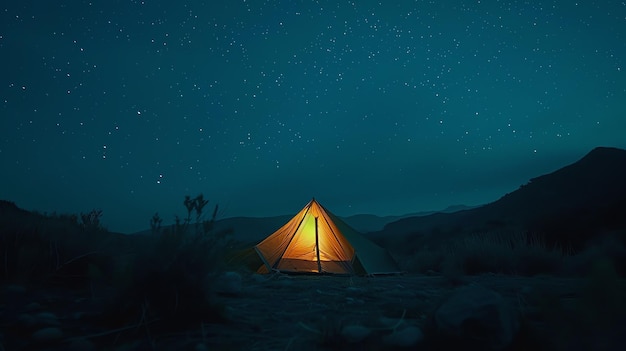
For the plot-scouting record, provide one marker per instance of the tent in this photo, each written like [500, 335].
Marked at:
[316, 241]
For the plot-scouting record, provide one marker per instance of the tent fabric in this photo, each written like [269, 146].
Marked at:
[316, 241]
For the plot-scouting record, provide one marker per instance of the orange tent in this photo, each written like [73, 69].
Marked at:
[316, 241]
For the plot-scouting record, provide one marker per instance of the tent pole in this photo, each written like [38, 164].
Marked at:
[317, 248]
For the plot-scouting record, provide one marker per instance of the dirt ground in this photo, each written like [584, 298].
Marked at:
[271, 312]
[283, 312]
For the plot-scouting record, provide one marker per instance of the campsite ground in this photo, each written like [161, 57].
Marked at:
[286, 312]
[308, 312]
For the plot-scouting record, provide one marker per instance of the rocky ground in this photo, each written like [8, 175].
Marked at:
[286, 312]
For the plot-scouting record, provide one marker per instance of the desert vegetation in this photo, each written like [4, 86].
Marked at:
[155, 283]
[170, 278]
[514, 253]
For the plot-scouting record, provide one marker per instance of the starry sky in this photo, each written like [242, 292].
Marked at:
[382, 107]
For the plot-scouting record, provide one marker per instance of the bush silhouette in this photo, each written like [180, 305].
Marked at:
[171, 279]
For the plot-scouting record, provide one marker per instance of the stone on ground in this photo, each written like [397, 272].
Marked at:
[477, 318]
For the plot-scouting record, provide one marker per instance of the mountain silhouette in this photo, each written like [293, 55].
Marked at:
[251, 230]
[568, 206]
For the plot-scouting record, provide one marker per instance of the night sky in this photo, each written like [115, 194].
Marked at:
[371, 107]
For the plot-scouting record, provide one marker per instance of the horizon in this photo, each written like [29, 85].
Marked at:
[371, 108]
[221, 215]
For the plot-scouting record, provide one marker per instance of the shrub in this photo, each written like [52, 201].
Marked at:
[38, 248]
[511, 253]
[609, 246]
[170, 280]
[603, 296]
[482, 253]
[591, 317]
[425, 260]
[155, 224]
[91, 220]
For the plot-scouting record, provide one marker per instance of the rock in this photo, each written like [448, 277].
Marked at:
[406, 337]
[47, 319]
[228, 283]
[43, 319]
[355, 333]
[391, 323]
[33, 306]
[47, 335]
[81, 344]
[477, 318]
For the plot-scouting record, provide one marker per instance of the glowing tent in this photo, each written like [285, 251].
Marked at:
[316, 241]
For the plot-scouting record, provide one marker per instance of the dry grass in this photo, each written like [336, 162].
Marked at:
[518, 253]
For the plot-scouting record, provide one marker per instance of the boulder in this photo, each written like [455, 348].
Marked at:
[355, 333]
[477, 319]
[404, 337]
[47, 335]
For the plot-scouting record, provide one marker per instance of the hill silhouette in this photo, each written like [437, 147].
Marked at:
[569, 206]
[251, 230]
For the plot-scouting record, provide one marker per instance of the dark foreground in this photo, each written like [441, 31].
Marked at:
[282, 312]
